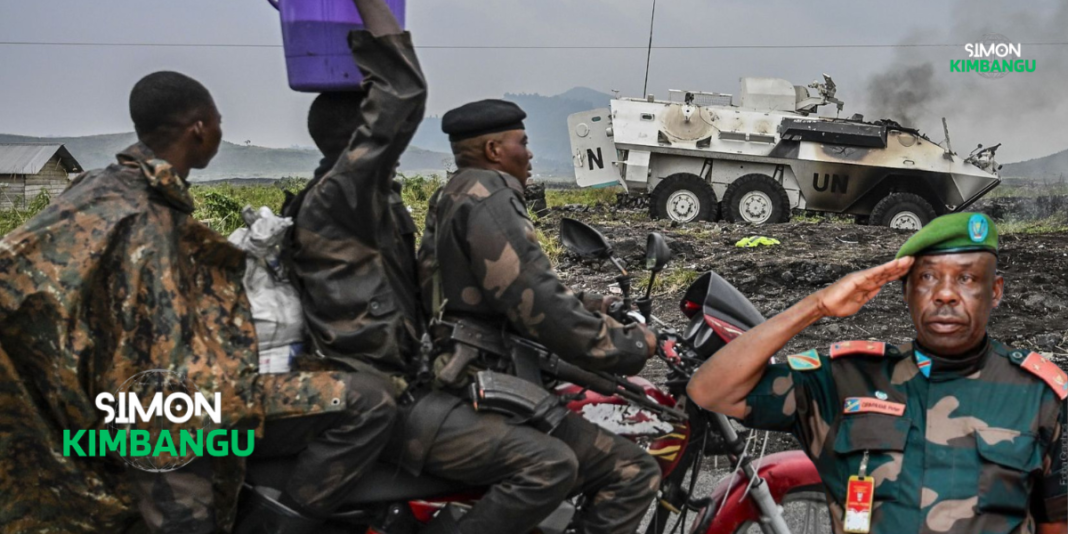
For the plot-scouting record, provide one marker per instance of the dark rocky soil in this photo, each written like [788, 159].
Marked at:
[1032, 315]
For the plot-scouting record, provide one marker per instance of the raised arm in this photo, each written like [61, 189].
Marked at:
[353, 194]
[377, 17]
[725, 380]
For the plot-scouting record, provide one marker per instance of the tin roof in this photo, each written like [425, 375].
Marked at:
[30, 159]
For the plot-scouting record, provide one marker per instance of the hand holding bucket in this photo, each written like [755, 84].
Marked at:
[315, 36]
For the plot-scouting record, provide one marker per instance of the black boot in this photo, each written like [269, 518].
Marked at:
[443, 523]
[263, 514]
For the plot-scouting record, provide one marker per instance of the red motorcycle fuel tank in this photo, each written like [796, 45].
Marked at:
[664, 440]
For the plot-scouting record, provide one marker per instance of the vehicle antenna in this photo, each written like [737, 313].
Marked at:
[649, 53]
[945, 128]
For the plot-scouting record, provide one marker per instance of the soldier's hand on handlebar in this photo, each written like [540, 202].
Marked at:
[846, 296]
[608, 301]
[651, 341]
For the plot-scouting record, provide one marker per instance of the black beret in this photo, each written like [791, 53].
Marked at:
[481, 118]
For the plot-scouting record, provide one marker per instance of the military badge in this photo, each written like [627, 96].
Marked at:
[1048, 372]
[860, 348]
[924, 363]
[978, 228]
[806, 361]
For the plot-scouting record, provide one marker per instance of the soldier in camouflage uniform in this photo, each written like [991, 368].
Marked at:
[113, 278]
[353, 258]
[959, 432]
[480, 251]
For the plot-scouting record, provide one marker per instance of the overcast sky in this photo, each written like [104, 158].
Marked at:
[67, 90]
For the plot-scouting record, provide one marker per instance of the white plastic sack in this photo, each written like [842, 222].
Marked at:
[276, 309]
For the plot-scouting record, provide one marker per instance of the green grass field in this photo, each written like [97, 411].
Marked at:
[1031, 190]
[219, 206]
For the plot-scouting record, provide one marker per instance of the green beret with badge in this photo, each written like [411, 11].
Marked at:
[952, 234]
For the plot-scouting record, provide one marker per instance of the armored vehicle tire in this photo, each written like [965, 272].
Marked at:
[903, 211]
[684, 198]
[756, 199]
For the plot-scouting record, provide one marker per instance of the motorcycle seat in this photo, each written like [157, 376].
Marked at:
[382, 483]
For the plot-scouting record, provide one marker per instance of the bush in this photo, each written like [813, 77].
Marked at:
[416, 196]
[21, 211]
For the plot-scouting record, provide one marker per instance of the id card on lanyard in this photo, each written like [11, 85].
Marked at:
[860, 495]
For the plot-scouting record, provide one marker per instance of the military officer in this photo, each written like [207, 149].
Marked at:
[951, 433]
[480, 261]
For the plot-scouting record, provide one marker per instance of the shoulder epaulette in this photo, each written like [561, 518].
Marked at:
[806, 361]
[1046, 370]
[858, 348]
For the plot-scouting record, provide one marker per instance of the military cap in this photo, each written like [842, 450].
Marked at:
[480, 118]
[953, 233]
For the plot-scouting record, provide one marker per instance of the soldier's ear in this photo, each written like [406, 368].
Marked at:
[492, 150]
[999, 289]
[197, 129]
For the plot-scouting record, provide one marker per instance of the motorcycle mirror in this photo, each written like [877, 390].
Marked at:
[583, 240]
[657, 253]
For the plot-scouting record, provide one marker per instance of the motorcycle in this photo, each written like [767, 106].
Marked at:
[776, 494]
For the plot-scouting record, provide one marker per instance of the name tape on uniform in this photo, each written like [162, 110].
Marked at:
[873, 405]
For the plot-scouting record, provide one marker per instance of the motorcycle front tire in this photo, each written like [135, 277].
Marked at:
[805, 510]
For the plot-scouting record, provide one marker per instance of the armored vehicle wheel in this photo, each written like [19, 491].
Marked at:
[903, 211]
[684, 198]
[756, 199]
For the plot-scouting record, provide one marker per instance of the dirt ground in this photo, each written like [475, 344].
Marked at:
[1033, 314]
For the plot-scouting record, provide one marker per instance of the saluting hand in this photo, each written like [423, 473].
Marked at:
[846, 296]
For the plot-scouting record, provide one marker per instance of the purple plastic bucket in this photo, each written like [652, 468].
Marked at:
[315, 35]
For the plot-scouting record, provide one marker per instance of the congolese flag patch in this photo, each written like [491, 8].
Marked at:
[806, 361]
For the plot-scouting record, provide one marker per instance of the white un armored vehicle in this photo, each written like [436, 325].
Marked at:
[755, 157]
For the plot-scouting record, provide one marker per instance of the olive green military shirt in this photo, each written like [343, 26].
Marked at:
[977, 451]
[481, 241]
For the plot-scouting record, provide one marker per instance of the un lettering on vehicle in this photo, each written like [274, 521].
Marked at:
[836, 183]
[598, 158]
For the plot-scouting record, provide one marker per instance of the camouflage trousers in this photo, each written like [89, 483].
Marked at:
[333, 451]
[531, 473]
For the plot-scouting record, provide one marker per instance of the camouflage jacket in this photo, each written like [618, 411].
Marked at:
[113, 278]
[353, 248]
[977, 449]
[480, 241]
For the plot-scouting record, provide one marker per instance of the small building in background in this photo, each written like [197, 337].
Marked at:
[27, 170]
